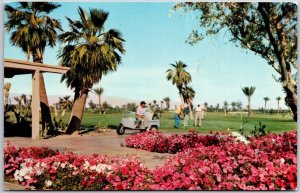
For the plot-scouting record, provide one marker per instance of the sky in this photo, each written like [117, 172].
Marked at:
[155, 38]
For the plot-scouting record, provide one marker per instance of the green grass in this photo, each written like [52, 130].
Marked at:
[212, 121]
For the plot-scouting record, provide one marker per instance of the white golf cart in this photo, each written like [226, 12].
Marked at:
[129, 121]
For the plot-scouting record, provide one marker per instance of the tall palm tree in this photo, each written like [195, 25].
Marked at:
[90, 52]
[248, 91]
[179, 77]
[188, 94]
[99, 91]
[32, 30]
[278, 100]
[266, 99]
[167, 101]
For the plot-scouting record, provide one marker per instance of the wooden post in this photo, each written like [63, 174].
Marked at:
[35, 105]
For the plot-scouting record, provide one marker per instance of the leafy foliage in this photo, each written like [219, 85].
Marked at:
[31, 28]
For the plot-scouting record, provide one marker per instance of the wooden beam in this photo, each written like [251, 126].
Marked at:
[35, 105]
[31, 66]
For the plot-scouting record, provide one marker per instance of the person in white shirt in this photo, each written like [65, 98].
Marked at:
[141, 114]
[198, 115]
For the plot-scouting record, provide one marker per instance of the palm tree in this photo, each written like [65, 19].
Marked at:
[278, 100]
[161, 105]
[188, 94]
[266, 99]
[90, 52]
[32, 30]
[225, 106]
[217, 107]
[167, 101]
[7, 87]
[233, 104]
[248, 91]
[99, 91]
[65, 103]
[179, 77]
[155, 103]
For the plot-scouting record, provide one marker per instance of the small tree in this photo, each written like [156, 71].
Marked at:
[217, 107]
[266, 99]
[278, 100]
[105, 106]
[99, 91]
[233, 104]
[167, 101]
[225, 106]
[92, 105]
[161, 105]
[248, 91]
[7, 87]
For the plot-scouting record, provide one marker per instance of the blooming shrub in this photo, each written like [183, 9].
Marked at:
[201, 163]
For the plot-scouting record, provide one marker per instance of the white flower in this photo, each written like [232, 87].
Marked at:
[239, 137]
[93, 167]
[48, 183]
[62, 165]
[17, 175]
[86, 165]
[103, 168]
[39, 172]
[282, 160]
[43, 165]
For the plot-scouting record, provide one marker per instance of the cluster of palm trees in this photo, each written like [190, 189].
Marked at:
[266, 99]
[155, 105]
[86, 48]
[181, 78]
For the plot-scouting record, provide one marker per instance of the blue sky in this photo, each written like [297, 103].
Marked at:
[154, 39]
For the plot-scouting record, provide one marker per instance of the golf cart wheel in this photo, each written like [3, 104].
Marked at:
[143, 130]
[121, 129]
[153, 128]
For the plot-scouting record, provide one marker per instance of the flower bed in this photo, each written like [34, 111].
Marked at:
[224, 163]
[201, 163]
[41, 168]
[156, 141]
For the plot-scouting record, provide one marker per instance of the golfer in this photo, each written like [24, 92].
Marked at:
[198, 116]
[141, 114]
[177, 114]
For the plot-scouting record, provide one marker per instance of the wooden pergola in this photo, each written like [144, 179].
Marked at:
[17, 67]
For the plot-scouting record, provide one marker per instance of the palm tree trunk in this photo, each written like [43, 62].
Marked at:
[265, 105]
[182, 100]
[63, 112]
[278, 107]
[45, 110]
[249, 106]
[77, 110]
[100, 106]
[191, 112]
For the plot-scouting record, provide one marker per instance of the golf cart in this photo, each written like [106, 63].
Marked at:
[129, 121]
